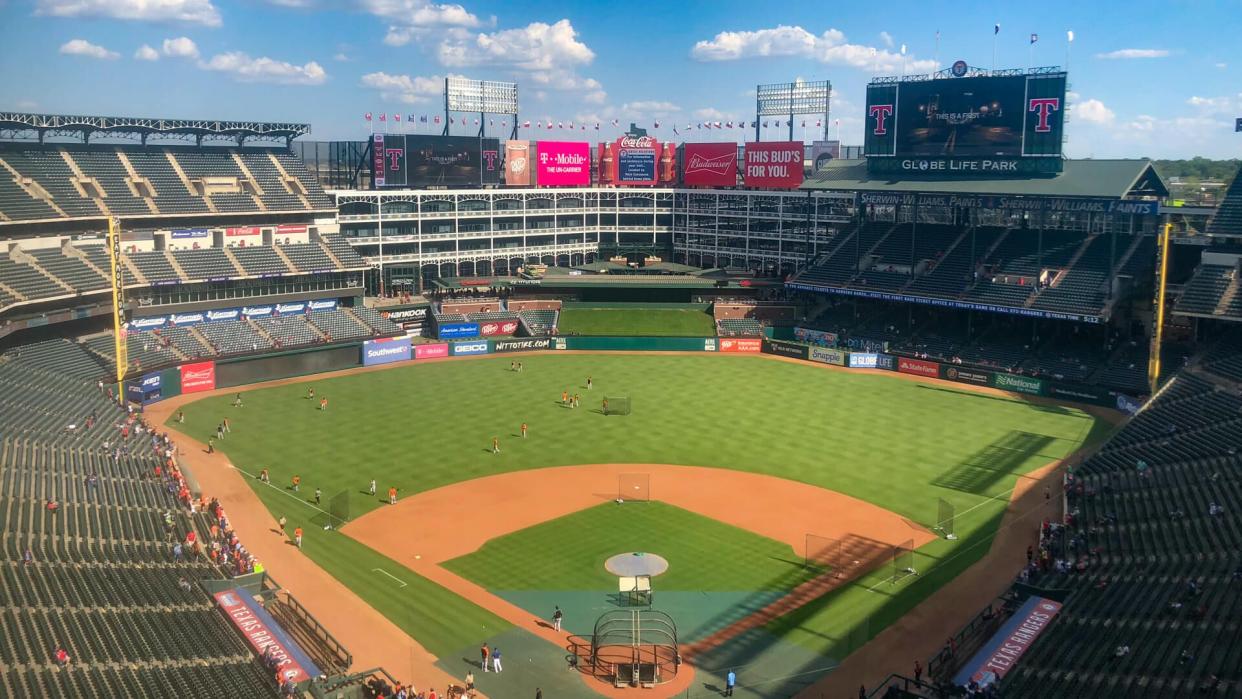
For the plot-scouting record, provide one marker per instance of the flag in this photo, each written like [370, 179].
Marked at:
[903, 49]
[753, 124]
[367, 116]
[383, 117]
[424, 119]
[614, 122]
[819, 123]
[437, 119]
[1034, 37]
[526, 124]
[804, 123]
[765, 124]
[675, 131]
[1070, 35]
[396, 117]
[411, 118]
[597, 126]
[657, 124]
[476, 122]
[996, 29]
[491, 122]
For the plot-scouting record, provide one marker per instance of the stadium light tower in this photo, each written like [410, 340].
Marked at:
[791, 99]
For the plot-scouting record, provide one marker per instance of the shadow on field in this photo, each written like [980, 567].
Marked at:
[1041, 407]
[983, 469]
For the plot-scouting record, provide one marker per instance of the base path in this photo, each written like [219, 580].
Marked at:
[515, 501]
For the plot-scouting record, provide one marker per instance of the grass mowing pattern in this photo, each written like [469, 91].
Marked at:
[893, 442]
[650, 322]
[703, 554]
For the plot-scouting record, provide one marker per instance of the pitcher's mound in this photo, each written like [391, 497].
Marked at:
[633, 564]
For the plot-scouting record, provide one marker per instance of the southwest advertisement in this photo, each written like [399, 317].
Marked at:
[776, 165]
[709, 165]
[563, 164]
[386, 351]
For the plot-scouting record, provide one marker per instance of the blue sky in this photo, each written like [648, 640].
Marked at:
[1146, 79]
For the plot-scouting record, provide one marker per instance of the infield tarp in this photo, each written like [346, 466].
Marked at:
[999, 655]
[655, 344]
[261, 631]
[785, 349]
[386, 351]
[449, 331]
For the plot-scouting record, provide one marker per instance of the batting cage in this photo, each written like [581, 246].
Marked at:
[824, 552]
[945, 515]
[336, 514]
[634, 647]
[903, 561]
[616, 405]
[634, 487]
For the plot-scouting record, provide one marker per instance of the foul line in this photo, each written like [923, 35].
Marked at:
[282, 491]
[381, 570]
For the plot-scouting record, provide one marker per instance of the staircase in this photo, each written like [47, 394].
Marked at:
[328, 251]
[189, 187]
[201, 340]
[284, 258]
[135, 177]
[32, 188]
[79, 178]
[1226, 299]
[258, 329]
[172, 260]
[11, 291]
[361, 323]
[1069, 267]
[75, 253]
[241, 271]
[255, 183]
[287, 180]
[23, 258]
[133, 270]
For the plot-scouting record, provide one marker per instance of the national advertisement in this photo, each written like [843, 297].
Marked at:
[970, 376]
[378, 161]
[151, 382]
[456, 330]
[290, 228]
[827, 355]
[294, 307]
[497, 327]
[739, 344]
[257, 311]
[133, 393]
[1001, 652]
[386, 351]
[525, 345]
[322, 305]
[200, 376]
[431, 351]
[785, 349]
[886, 362]
[562, 164]
[635, 159]
[459, 349]
[1018, 384]
[774, 165]
[188, 318]
[266, 636]
[918, 367]
[709, 164]
[221, 314]
[517, 163]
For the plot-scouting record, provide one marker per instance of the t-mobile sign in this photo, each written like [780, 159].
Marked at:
[563, 163]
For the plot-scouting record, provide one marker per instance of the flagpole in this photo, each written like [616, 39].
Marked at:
[937, 50]
[995, 33]
[1069, 44]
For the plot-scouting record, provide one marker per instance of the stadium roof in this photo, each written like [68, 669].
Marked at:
[1111, 179]
[14, 123]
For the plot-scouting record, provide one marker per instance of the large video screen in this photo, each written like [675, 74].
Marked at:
[411, 160]
[973, 117]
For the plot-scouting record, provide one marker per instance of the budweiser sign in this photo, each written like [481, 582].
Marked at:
[699, 163]
[710, 164]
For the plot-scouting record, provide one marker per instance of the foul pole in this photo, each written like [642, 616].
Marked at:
[1157, 333]
[118, 305]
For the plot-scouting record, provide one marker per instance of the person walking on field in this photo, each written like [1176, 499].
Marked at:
[604, 407]
[297, 482]
[523, 430]
[372, 486]
[318, 493]
[485, 654]
[556, 619]
[589, 383]
[564, 397]
[495, 445]
[282, 522]
[730, 683]
[237, 401]
[227, 428]
[496, 660]
[392, 495]
[297, 537]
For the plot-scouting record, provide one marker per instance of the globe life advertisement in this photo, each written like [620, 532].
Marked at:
[563, 163]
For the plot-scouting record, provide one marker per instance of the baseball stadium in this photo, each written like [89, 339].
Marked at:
[432, 413]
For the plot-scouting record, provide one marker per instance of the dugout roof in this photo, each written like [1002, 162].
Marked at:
[1104, 179]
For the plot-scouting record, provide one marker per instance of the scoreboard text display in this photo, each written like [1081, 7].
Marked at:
[982, 125]
[409, 160]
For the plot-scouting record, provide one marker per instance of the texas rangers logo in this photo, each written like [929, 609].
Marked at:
[881, 113]
[394, 157]
[1044, 107]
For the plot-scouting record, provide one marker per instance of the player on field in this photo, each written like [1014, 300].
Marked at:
[392, 495]
[495, 445]
[523, 430]
[310, 393]
[297, 536]
[605, 406]
[589, 383]
[564, 397]
[323, 403]
[297, 482]
[372, 486]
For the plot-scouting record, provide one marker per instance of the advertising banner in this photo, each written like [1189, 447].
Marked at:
[517, 163]
[406, 315]
[635, 159]
[918, 367]
[739, 344]
[864, 360]
[454, 330]
[886, 362]
[970, 376]
[241, 232]
[433, 351]
[290, 228]
[183, 233]
[498, 327]
[148, 322]
[257, 311]
[223, 314]
[526, 345]
[709, 344]
[562, 164]
[151, 382]
[785, 349]
[777, 164]
[197, 377]
[454, 161]
[322, 305]
[1018, 384]
[264, 635]
[815, 337]
[459, 349]
[291, 308]
[709, 164]
[188, 318]
[133, 393]
[386, 351]
[1002, 652]
[827, 355]
[1079, 393]
[378, 161]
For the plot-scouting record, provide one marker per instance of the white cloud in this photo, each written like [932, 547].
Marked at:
[829, 48]
[1222, 66]
[403, 88]
[146, 53]
[27, 104]
[82, 47]
[711, 114]
[189, 11]
[650, 107]
[1216, 105]
[1134, 53]
[245, 69]
[887, 39]
[415, 19]
[181, 47]
[547, 55]
[1093, 111]
[341, 57]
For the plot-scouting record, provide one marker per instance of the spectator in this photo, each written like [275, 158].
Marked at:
[62, 656]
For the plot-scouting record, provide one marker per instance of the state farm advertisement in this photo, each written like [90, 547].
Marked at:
[562, 164]
[710, 164]
[741, 344]
[498, 327]
[918, 367]
[776, 165]
[200, 376]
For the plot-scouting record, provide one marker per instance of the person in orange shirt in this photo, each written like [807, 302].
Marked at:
[297, 537]
[392, 495]
[297, 483]
[564, 397]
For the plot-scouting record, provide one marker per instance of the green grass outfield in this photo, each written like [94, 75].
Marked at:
[667, 322]
[894, 442]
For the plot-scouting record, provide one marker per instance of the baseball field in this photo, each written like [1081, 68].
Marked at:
[745, 457]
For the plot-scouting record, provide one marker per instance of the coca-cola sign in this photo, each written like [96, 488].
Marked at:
[710, 164]
[635, 160]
